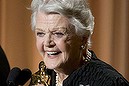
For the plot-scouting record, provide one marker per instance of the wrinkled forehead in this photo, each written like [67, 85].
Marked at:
[51, 20]
[43, 17]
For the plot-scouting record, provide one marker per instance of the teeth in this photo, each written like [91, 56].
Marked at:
[51, 53]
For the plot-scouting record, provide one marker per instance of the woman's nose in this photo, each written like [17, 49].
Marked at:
[48, 41]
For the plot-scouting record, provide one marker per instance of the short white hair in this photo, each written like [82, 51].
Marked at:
[77, 11]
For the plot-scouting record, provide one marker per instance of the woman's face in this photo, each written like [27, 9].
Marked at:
[57, 41]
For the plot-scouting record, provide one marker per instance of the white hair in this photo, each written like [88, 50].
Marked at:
[77, 11]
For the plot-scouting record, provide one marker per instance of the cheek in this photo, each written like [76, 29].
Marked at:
[63, 45]
[65, 48]
[39, 44]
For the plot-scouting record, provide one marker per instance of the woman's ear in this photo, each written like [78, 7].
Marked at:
[84, 45]
[84, 40]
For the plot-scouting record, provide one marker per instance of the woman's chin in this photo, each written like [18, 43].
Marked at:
[51, 63]
[51, 66]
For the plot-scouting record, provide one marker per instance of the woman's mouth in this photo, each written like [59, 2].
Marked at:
[53, 54]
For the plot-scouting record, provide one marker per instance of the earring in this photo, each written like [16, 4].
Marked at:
[83, 47]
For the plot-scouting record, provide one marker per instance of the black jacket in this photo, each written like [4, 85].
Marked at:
[94, 73]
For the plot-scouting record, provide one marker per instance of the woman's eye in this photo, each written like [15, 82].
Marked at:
[59, 34]
[40, 34]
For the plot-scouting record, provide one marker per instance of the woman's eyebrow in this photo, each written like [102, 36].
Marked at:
[60, 28]
[39, 29]
[64, 29]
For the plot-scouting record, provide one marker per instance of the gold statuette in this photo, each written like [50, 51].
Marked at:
[40, 77]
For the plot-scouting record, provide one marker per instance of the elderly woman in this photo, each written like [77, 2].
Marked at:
[63, 29]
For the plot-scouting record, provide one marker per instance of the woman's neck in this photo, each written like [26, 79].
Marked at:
[66, 70]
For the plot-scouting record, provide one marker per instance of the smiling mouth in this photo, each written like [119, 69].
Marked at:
[53, 53]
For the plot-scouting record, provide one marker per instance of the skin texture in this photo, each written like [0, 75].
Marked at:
[58, 43]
